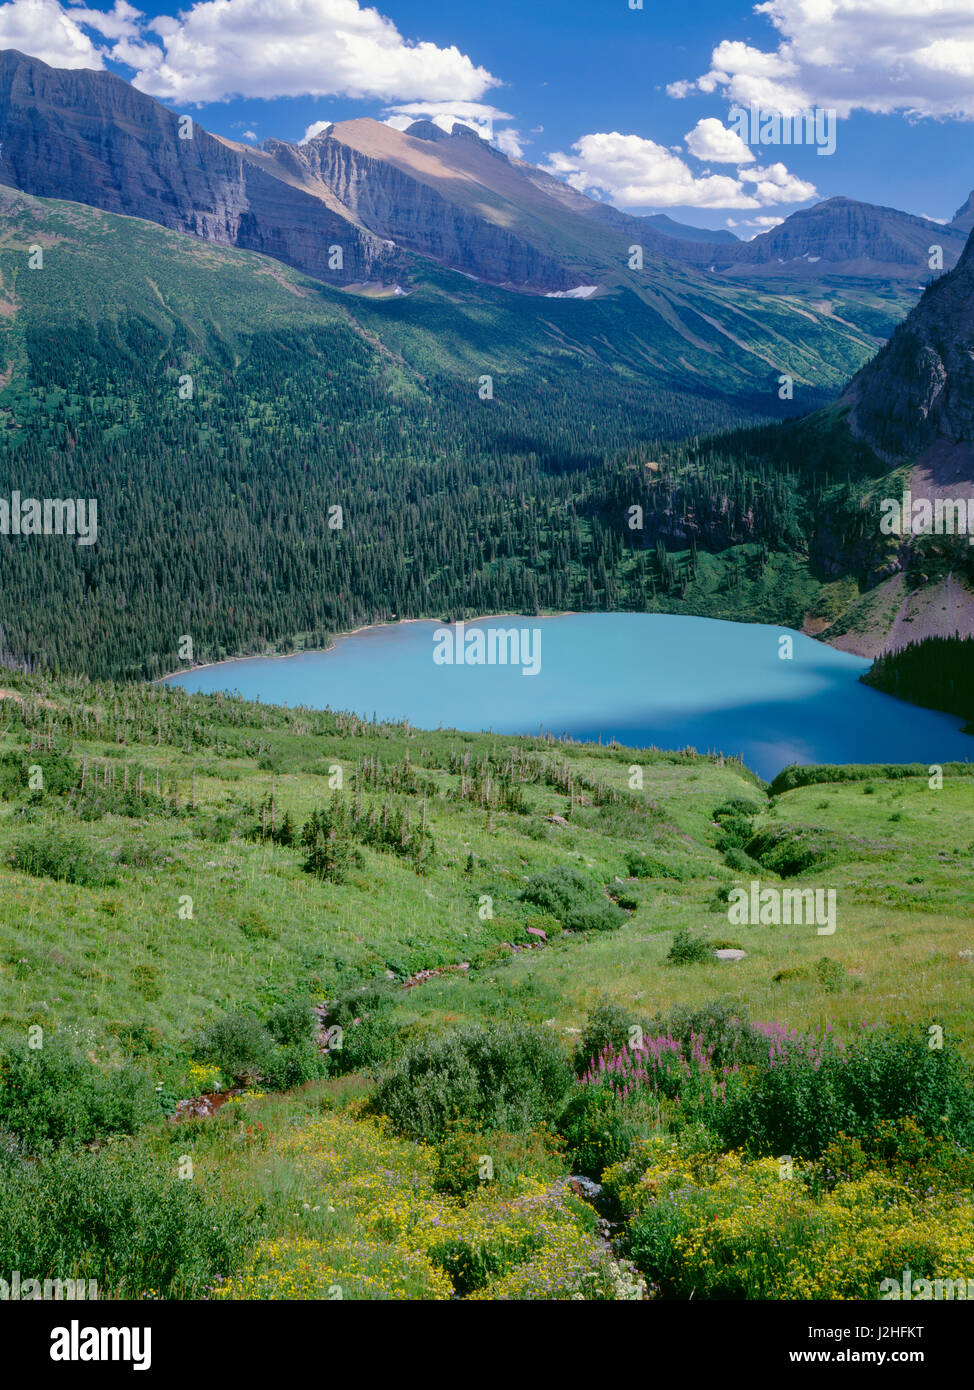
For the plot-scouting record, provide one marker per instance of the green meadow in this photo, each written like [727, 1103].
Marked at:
[204, 897]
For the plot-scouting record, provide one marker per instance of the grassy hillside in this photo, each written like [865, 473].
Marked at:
[166, 943]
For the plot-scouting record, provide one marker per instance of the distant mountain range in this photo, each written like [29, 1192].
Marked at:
[843, 237]
[683, 232]
[376, 192]
[372, 211]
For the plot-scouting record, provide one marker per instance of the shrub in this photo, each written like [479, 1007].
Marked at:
[138, 855]
[600, 916]
[559, 891]
[688, 949]
[813, 1091]
[66, 858]
[238, 1043]
[293, 1021]
[735, 831]
[642, 865]
[373, 1042]
[121, 1217]
[363, 1001]
[740, 862]
[55, 1095]
[293, 1064]
[721, 1028]
[830, 974]
[598, 1127]
[608, 1025]
[738, 806]
[59, 772]
[500, 1076]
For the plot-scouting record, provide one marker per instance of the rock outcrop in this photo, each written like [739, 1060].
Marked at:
[917, 395]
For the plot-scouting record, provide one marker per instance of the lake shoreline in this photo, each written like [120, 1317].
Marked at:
[367, 627]
[760, 692]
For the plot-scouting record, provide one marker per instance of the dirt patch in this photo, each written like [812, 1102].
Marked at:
[202, 1107]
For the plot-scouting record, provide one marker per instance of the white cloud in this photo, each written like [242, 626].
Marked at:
[250, 135]
[217, 49]
[275, 48]
[122, 21]
[314, 130]
[42, 29]
[631, 171]
[910, 56]
[756, 225]
[711, 140]
[509, 143]
[776, 185]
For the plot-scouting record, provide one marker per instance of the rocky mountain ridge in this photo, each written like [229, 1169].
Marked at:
[381, 195]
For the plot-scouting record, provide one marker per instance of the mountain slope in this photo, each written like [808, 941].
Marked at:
[911, 409]
[385, 198]
[840, 236]
[918, 393]
[213, 509]
[92, 137]
[214, 506]
[963, 219]
[914, 406]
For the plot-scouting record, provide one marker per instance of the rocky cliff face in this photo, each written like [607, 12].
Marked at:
[92, 138]
[408, 208]
[918, 392]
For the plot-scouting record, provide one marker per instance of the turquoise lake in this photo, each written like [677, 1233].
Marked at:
[643, 679]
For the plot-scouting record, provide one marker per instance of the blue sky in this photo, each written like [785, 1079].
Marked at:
[632, 105]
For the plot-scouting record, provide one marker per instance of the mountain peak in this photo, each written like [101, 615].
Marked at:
[429, 130]
[426, 130]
